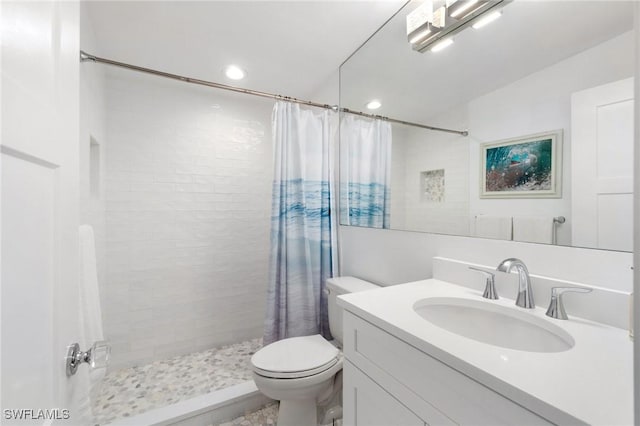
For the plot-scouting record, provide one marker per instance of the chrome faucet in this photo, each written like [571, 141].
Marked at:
[489, 284]
[556, 307]
[525, 294]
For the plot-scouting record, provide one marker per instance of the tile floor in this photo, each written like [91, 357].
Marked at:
[134, 390]
[264, 417]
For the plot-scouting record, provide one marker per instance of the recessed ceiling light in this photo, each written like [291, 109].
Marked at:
[443, 44]
[374, 104]
[234, 72]
[487, 19]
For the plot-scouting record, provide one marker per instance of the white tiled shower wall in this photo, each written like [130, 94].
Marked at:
[188, 189]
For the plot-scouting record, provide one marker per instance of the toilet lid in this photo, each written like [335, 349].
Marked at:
[295, 357]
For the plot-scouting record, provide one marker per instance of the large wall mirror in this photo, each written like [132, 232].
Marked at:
[546, 94]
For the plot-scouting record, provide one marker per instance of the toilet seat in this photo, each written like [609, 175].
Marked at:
[295, 357]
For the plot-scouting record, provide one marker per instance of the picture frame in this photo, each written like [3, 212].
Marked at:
[524, 167]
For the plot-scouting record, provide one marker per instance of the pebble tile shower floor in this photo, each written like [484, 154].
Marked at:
[134, 390]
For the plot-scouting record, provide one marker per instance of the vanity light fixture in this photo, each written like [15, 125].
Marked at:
[424, 34]
[487, 19]
[427, 28]
[234, 72]
[459, 9]
[416, 36]
[442, 45]
[426, 25]
[419, 22]
[374, 104]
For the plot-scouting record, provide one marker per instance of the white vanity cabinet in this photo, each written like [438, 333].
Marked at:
[389, 382]
[370, 404]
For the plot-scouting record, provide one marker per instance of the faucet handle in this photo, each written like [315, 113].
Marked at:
[556, 307]
[490, 284]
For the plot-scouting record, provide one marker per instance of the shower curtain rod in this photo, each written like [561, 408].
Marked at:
[86, 57]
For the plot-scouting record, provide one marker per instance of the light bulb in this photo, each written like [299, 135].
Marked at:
[487, 19]
[461, 9]
[420, 36]
[443, 44]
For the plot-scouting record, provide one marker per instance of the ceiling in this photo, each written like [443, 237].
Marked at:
[288, 47]
[530, 36]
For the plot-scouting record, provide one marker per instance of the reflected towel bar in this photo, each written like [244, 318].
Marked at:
[558, 220]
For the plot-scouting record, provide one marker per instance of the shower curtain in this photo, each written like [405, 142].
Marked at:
[365, 172]
[301, 228]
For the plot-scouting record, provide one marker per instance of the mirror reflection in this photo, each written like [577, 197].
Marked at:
[549, 112]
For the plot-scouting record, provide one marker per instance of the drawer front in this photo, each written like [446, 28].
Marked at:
[367, 404]
[459, 398]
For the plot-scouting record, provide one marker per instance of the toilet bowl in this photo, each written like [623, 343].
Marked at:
[300, 371]
[297, 372]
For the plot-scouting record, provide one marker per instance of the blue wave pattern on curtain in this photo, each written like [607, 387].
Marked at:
[365, 172]
[301, 255]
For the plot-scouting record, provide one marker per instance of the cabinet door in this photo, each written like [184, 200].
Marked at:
[367, 404]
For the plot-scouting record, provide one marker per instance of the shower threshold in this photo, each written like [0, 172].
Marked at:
[212, 409]
[180, 386]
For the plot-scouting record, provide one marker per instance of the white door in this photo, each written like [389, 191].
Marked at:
[39, 209]
[602, 166]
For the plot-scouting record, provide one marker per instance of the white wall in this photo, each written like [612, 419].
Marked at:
[398, 205]
[393, 257]
[188, 208]
[92, 130]
[636, 224]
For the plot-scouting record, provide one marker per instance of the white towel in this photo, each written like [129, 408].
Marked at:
[533, 229]
[493, 227]
[90, 311]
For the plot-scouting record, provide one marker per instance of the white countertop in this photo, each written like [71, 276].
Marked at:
[590, 383]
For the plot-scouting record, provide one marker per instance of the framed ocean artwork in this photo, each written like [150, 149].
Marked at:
[524, 167]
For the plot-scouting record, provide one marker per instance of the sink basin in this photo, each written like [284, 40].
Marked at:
[494, 324]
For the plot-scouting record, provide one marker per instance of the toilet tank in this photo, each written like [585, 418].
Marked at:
[337, 286]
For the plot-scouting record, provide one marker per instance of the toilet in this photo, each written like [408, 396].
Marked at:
[300, 371]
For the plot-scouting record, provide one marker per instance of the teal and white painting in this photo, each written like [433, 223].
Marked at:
[524, 167]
